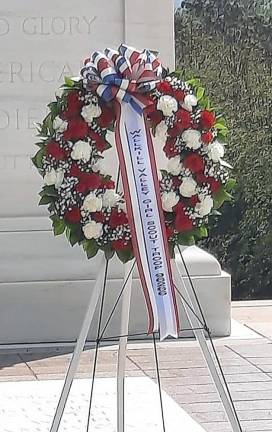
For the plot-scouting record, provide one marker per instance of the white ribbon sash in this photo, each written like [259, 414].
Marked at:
[141, 186]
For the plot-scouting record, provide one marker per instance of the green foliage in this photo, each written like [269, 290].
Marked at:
[227, 45]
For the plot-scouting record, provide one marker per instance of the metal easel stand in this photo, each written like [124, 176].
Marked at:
[197, 321]
[195, 316]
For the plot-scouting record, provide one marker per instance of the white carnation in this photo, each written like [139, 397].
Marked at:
[54, 177]
[189, 101]
[93, 230]
[81, 150]
[174, 165]
[169, 200]
[92, 203]
[161, 131]
[192, 138]
[59, 125]
[110, 198]
[100, 166]
[203, 208]
[215, 151]
[188, 187]
[167, 104]
[91, 111]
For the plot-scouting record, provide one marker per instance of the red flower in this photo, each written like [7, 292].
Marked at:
[182, 221]
[74, 106]
[214, 184]
[117, 218]
[73, 215]
[176, 181]
[201, 178]
[169, 231]
[88, 181]
[56, 151]
[121, 244]
[108, 184]
[179, 95]
[207, 119]
[174, 131]
[99, 217]
[165, 87]
[75, 171]
[194, 200]
[169, 149]
[184, 119]
[153, 114]
[194, 163]
[207, 137]
[77, 130]
[100, 143]
[106, 118]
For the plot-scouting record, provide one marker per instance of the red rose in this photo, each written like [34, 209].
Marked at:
[108, 184]
[207, 137]
[207, 119]
[88, 181]
[77, 130]
[194, 200]
[174, 131]
[194, 163]
[201, 178]
[182, 221]
[169, 149]
[99, 217]
[176, 181]
[100, 143]
[117, 218]
[165, 87]
[73, 215]
[169, 231]
[106, 118]
[153, 114]
[75, 171]
[56, 151]
[121, 244]
[184, 119]
[214, 184]
[74, 106]
[179, 95]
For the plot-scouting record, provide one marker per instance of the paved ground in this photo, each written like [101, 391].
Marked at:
[246, 360]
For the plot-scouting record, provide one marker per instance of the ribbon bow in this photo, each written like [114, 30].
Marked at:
[125, 74]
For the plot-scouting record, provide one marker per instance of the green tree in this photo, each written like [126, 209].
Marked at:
[228, 45]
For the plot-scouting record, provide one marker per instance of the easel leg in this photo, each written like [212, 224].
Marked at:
[79, 346]
[192, 309]
[121, 366]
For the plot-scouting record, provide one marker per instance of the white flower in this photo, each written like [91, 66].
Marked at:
[81, 150]
[167, 104]
[59, 125]
[192, 138]
[205, 205]
[91, 111]
[169, 200]
[101, 167]
[215, 151]
[189, 101]
[161, 131]
[54, 177]
[92, 203]
[110, 198]
[188, 187]
[174, 165]
[93, 230]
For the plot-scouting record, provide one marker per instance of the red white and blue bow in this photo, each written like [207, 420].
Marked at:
[125, 75]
